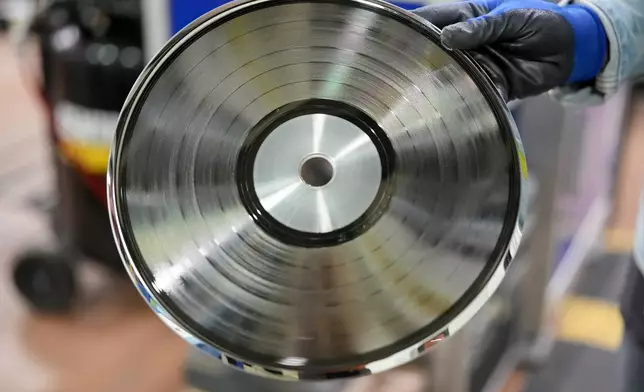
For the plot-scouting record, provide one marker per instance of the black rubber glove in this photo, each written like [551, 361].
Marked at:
[526, 46]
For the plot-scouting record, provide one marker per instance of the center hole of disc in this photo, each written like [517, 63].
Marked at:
[316, 171]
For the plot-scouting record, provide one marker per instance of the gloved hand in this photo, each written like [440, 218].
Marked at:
[526, 46]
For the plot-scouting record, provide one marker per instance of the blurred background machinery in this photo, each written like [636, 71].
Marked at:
[90, 56]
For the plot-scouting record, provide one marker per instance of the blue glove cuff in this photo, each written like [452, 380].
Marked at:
[591, 42]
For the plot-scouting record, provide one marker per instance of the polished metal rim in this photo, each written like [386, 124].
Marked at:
[376, 361]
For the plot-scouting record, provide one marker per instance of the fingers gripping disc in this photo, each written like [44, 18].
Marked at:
[315, 189]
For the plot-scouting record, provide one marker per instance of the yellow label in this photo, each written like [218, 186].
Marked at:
[85, 135]
[524, 164]
[91, 158]
[591, 322]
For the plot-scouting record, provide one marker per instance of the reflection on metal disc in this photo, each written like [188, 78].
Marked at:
[315, 189]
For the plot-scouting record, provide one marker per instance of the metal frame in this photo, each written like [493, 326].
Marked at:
[156, 26]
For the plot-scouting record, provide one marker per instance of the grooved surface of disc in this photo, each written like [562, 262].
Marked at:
[409, 219]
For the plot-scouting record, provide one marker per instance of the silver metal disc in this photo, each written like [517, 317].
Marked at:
[315, 189]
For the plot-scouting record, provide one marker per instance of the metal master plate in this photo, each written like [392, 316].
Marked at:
[315, 189]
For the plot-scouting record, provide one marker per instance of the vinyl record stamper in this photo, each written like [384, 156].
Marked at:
[315, 189]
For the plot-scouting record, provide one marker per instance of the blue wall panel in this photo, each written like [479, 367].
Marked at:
[185, 11]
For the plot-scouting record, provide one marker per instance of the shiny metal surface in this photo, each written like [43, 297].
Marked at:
[317, 173]
[389, 244]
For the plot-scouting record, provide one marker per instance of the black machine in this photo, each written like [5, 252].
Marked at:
[91, 54]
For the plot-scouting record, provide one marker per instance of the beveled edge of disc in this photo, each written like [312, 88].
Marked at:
[391, 356]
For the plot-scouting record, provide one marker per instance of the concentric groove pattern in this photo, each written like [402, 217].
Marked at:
[440, 195]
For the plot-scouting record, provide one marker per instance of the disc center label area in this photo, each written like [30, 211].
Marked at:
[316, 173]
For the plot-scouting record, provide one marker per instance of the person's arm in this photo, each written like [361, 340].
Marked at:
[623, 21]
[582, 50]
